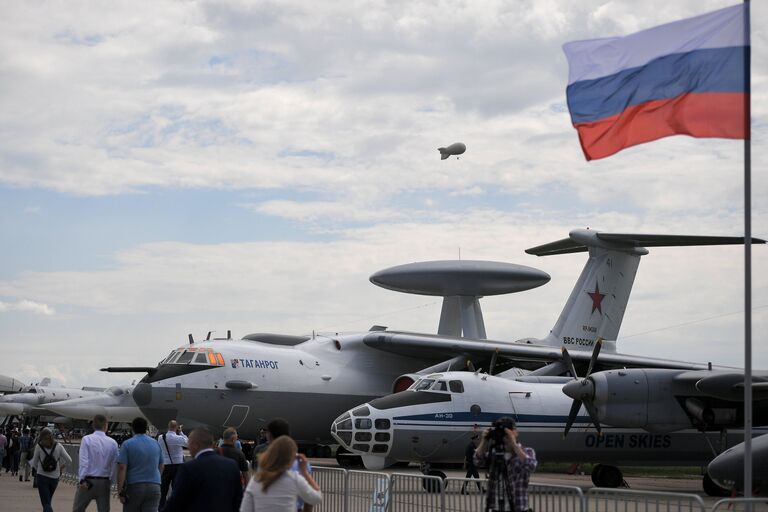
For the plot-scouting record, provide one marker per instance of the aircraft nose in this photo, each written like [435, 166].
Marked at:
[142, 394]
[363, 430]
[583, 389]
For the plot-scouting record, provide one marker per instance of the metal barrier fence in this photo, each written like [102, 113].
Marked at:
[741, 505]
[599, 499]
[367, 490]
[556, 498]
[464, 494]
[416, 492]
[352, 491]
[333, 482]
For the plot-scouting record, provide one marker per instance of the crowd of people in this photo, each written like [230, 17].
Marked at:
[152, 474]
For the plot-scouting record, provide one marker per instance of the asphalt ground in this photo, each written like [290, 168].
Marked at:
[18, 496]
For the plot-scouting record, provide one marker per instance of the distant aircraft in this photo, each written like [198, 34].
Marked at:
[455, 149]
[32, 400]
[116, 403]
[10, 385]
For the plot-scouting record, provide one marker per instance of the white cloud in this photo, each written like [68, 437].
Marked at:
[27, 306]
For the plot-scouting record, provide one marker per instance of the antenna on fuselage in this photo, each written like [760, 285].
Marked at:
[191, 339]
[229, 334]
[208, 338]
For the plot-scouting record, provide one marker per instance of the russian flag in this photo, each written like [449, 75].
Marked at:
[689, 77]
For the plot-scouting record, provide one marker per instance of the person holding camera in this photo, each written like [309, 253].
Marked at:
[172, 444]
[509, 464]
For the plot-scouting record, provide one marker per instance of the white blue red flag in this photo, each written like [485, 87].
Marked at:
[689, 77]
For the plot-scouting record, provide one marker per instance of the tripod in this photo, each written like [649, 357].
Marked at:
[500, 497]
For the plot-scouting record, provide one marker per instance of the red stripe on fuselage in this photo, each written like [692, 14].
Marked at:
[704, 115]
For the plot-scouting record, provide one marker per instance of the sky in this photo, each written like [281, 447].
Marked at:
[182, 167]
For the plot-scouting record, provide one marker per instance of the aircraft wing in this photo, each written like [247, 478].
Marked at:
[431, 346]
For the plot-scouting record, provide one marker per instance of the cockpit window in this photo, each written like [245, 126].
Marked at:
[456, 386]
[185, 358]
[440, 386]
[423, 384]
[201, 358]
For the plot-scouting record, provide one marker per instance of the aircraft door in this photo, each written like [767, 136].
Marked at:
[237, 416]
[525, 404]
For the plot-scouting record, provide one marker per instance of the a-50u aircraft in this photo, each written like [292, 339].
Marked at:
[309, 380]
[655, 416]
[31, 400]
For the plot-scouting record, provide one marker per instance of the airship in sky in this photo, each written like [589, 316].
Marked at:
[455, 149]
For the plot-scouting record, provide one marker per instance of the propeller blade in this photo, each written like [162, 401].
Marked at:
[593, 415]
[572, 416]
[595, 353]
[569, 362]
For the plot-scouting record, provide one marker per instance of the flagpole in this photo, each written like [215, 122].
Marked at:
[747, 266]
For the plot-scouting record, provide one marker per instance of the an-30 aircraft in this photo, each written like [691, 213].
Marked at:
[668, 417]
[310, 380]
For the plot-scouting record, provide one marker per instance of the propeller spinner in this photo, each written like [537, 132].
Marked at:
[581, 390]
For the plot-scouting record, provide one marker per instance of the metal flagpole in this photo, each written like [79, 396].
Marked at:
[747, 265]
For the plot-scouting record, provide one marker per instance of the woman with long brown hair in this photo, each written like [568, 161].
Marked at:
[276, 487]
[47, 477]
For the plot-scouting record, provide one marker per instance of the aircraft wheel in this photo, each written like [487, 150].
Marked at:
[607, 476]
[429, 484]
[712, 489]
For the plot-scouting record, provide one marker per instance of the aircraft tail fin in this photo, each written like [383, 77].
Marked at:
[599, 299]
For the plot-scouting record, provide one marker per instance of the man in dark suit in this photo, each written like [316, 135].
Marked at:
[207, 482]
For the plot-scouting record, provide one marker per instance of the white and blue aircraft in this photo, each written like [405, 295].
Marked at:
[655, 417]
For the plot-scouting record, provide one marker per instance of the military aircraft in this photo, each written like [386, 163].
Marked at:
[674, 423]
[32, 399]
[727, 469]
[10, 385]
[455, 149]
[115, 403]
[311, 379]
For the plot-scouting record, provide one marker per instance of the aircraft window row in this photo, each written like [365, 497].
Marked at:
[362, 411]
[192, 356]
[363, 423]
[455, 386]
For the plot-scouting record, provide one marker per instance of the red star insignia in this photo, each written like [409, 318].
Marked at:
[597, 299]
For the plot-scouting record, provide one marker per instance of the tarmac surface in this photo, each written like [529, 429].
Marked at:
[18, 496]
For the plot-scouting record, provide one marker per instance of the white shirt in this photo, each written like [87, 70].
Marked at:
[281, 495]
[98, 456]
[176, 443]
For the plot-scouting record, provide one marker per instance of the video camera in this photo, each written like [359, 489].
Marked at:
[498, 431]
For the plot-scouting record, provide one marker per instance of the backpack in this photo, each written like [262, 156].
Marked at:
[49, 461]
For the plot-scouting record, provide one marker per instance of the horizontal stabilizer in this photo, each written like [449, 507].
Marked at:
[581, 240]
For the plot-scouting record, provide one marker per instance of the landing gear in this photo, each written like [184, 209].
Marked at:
[429, 484]
[346, 460]
[607, 476]
[712, 489]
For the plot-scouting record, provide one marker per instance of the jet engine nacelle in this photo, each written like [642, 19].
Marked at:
[639, 398]
[404, 381]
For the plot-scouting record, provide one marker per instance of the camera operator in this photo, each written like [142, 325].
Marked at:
[519, 463]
